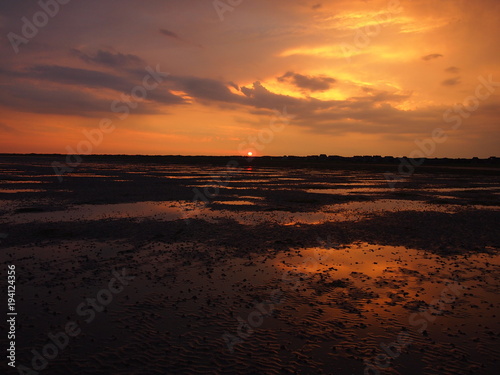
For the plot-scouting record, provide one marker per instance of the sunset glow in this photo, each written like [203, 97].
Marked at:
[359, 77]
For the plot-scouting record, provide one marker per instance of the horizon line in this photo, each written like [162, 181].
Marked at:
[322, 155]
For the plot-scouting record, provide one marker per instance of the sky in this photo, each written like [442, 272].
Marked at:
[281, 77]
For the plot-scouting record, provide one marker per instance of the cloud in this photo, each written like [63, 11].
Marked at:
[96, 79]
[31, 98]
[256, 96]
[163, 96]
[451, 81]
[373, 113]
[432, 56]
[110, 59]
[170, 34]
[68, 100]
[80, 77]
[173, 35]
[310, 83]
[452, 69]
[60, 91]
[379, 96]
[204, 88]
[232, 84]
[260, 97]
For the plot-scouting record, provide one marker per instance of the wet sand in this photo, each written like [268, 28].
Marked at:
[301, 270]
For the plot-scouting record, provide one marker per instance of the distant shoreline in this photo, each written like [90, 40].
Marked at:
[491, 164]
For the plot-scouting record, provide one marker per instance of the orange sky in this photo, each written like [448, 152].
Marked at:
[356, 77]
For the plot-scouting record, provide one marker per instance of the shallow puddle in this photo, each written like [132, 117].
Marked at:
[235, 203]
[347, 191]
[12, 191]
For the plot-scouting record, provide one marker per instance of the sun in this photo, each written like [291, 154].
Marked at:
[249, 153]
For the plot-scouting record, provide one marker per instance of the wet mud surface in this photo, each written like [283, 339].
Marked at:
[306, 271]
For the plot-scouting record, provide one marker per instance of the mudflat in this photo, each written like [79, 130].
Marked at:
[188, 266]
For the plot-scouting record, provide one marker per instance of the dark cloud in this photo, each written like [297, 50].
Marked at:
[451, 82]
[204, 88]
[59, 91]
[96, 79]
[34, 99]
[232, 84]
[110, 59]
[432, 56]
[371, 113]
[69, 101]
[316, 6]
[260, 97]
[62, 94]
[173, 35]
[170, 34]
[379, 96]
[80, 77]
[163, 96]
[257, 96]
[452, 69]
[310, 83]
